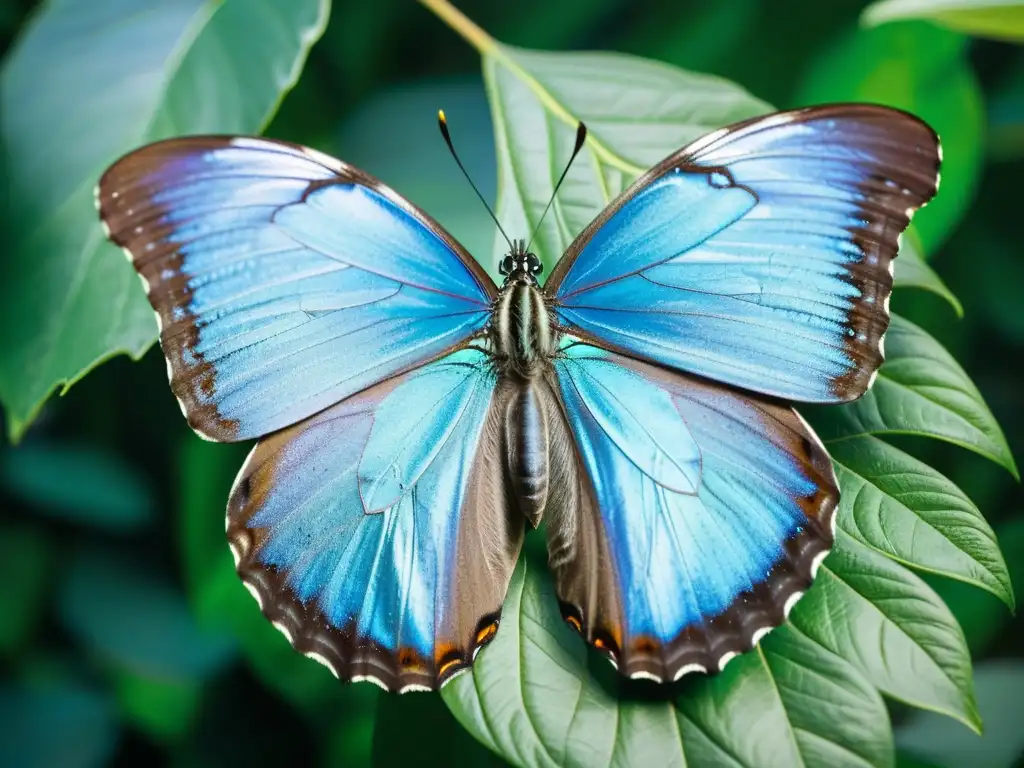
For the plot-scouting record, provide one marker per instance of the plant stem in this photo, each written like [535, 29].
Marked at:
[489, 48]
[462, 24]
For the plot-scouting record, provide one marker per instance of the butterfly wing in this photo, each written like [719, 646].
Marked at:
[759, 256]
[692, 517]
[376, 535]
[283, 280]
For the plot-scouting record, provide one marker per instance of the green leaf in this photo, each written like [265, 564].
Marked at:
[1000, 687]
[912, 271]
[62, 724]
[920, 390]
[923, 69]
[533, 697]
[999, 19]
[130, 619]
[903, 508]
[79, 483]
[983, 617]
[115, 76]
[807, 688]
[25, 561]
[637, 113]
[892, 628]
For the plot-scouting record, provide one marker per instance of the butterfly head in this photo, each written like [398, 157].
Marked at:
[519, 265]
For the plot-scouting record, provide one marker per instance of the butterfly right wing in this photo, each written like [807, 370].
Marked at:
[378, 535]
[283, 280]
[760, 255]
[690, 516]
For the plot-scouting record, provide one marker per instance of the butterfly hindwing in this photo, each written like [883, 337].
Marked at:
[759, 256]
[377, 534]
[694, 517]
[283, 280]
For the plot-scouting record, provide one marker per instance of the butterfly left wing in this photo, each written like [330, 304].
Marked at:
[283, 280]
[377, 534]
[759, 256]
[690, 518]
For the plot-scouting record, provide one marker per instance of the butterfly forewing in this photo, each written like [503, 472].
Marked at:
[283, 280]
[778, 281]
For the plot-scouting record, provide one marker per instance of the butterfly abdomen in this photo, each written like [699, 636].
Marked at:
[527, 447]
[523, 337]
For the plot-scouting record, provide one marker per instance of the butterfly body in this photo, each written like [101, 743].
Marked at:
[527, 446]
[413, 416]
[522, 327]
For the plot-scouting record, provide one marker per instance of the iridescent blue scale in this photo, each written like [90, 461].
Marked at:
[412, 416]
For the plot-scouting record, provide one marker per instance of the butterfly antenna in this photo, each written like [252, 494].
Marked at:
[442, 122]
[581, 137]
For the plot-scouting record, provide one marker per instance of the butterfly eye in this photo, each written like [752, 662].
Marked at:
[507, 265]
[533, 264]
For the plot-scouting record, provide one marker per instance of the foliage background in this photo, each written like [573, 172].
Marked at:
[124, 638]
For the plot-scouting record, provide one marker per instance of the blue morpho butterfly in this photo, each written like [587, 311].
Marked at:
[412, 415]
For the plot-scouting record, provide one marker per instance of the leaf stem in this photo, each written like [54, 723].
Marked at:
[487, 46]
[461, 23]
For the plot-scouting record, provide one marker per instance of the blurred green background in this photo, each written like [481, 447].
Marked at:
[124, 634]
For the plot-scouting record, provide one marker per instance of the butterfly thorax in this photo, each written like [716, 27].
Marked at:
[522, 334]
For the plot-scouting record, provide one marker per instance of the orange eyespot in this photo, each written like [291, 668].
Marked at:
[448, 666]
[605, 641]
[406, 657]
[573, 622]
[645, 644]
[486, 634]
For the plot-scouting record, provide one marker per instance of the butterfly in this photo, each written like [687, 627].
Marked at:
[413, 417]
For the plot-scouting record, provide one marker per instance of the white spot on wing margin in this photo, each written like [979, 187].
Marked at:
[759, 634]
[283, 629]
[322, 660]
[370, 679]
[726, 658]
[818, 560]
[411, 687]
[255, 593]
[790, 602]
[456, 673]
[646, 676]
[687, 669]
